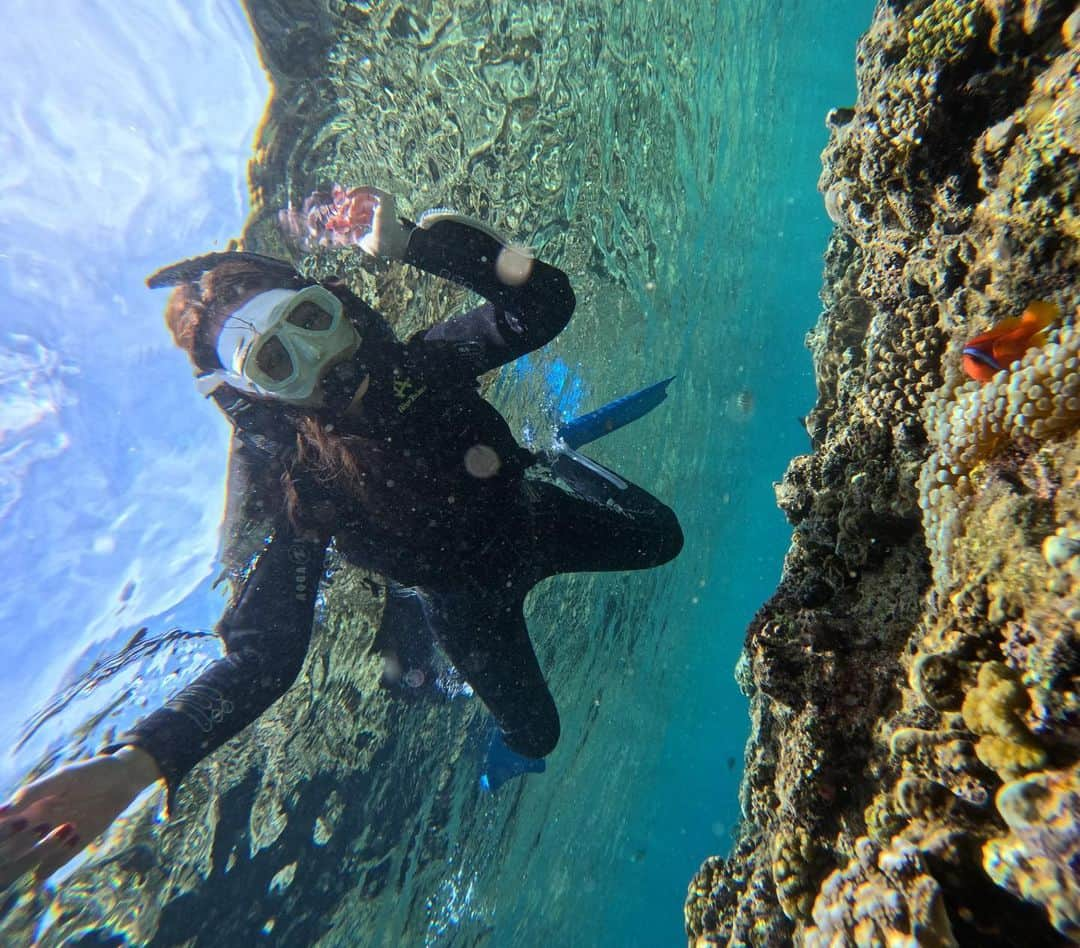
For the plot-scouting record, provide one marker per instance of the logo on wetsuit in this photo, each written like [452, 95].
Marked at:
[203, 704]
[300, 556]
[406, 393]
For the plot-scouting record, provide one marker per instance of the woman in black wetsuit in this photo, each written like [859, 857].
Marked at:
[343, 432]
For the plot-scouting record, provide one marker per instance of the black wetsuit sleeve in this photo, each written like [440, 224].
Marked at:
[518, 318]
[266, 634]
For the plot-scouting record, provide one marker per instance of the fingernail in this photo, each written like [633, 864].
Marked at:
[42, 830]
[18, 825]
[65, 831]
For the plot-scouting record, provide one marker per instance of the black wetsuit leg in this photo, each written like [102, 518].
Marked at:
[483, 633]
[480, 624]
[597, 526]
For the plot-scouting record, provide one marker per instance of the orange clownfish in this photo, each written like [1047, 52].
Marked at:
[993, 351]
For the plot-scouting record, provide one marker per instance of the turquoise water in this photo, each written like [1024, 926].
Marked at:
[689, 808]
[644, 784]
[655, 788]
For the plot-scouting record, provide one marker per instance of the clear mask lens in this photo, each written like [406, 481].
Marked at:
[311, 317]
[274, 361]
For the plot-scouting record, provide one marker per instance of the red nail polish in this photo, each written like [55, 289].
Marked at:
[65, 831]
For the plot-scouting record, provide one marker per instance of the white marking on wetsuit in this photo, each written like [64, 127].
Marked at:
[202, 704]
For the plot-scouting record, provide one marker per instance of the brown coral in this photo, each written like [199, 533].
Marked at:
[953, 184]
[882, 897]
[1040, 859]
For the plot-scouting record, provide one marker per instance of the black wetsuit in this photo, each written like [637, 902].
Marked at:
[474, 535]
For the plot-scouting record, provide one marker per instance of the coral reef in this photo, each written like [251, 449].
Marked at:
[1037, 861]
[880, 898]
[915, 679]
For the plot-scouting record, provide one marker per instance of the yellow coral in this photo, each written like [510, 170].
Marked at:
[993, 709]
[941, 31]
[1006, 14]
[792, 851]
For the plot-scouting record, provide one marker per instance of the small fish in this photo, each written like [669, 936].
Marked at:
[992, 351]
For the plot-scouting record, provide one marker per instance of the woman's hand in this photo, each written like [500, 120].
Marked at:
[361, 217]
[387, 237]
[53, 819]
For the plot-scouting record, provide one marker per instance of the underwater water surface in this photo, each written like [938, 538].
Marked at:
[117, 155]
[700, 128]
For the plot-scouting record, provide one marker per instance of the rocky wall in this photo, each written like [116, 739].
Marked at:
[912, 774]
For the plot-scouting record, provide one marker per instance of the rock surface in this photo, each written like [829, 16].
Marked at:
[911, 773]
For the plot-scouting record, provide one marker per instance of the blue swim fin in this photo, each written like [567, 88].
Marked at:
[586, 428]
[502, 764]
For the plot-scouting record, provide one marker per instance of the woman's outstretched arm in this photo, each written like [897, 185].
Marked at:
[266, 637]
[266, 633]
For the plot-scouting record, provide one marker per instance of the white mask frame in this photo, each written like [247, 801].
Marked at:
[265, 350]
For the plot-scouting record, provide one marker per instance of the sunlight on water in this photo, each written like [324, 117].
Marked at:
[115, 157]
[452, 905]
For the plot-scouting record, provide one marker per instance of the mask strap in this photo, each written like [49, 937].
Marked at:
[209, 382]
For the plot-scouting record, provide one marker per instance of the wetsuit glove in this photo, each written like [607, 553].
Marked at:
[502, 764]
[367, 218]
[433, 215]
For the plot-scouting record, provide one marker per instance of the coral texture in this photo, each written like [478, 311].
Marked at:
[915, 679]
[1038, 860]
[880, 898]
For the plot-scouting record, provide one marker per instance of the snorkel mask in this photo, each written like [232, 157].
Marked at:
[282, 343]
[314, 339]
